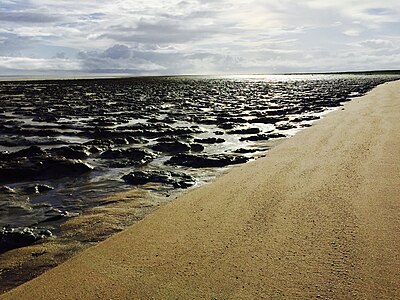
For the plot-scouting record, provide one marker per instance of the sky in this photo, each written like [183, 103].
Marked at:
[172, 37]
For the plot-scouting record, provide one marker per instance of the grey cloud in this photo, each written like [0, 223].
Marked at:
[93, 16]
[200, 56]
[115, 52]
[377, 44]
[118, 52]
[60, 55]
[12, 44]
[379, 11]
[28, 17]
[389, 29]
[123, 59]
[13, 5]
[386, 52]
[192, 16]
[161, 32]
[86, 54]
[116, 59]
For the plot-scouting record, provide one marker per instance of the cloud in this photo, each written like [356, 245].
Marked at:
[379, 11]
[377, 44]
[12, 44]
[60, 55]
[118, 52]
[36, 64]
[352, 32]
[165, 30]
[197, 36]
[116, 59]
[26, 17]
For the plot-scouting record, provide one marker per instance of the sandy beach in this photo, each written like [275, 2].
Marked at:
[318, 217]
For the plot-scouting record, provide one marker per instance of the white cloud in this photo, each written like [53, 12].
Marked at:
[37, 64]
[178, 36]
[352, 32]
[377, 44]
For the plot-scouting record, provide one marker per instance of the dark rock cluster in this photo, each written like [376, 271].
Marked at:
[34, 163]
[11, 238]
[177, 180]
[206, 161]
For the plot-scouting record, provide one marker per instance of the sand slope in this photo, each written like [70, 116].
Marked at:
[318, 217]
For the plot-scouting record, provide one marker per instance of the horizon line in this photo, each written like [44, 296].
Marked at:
[45, 77]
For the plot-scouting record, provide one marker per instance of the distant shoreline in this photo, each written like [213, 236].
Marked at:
[7, 78]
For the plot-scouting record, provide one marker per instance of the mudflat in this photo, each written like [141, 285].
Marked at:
[319, 216]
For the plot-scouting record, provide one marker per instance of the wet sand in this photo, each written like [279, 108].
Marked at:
[318, 217]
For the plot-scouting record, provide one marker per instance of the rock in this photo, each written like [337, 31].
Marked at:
[102, 143]
[132, 140]
[71, 153]
[227, 125]
[242, 150]
[245, 131]
[112, 154]
[42, 188]
[33, 151]
[38, 189]
[59, 168]
[102, 122]
[120, 141]
[210, 141]
[285, 126]
[179, 131]
[276, 135]
[171, 147]
[6, 190]
[139, 156]
[206, 121]
[203, 161]
[47, 118]
[268, 120]
[55, 214]
[167, 139]
[13, 141]
[306, 118]
[177, 180]
[196, 147]
[94, 150]
[140, 177]
[186, 137]
[18, 170]
[124, 163]
[165, 120]
[38, 170]
[4, 155]
[230, 119]
[253, 138]
[11, 238]
[18, 141]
